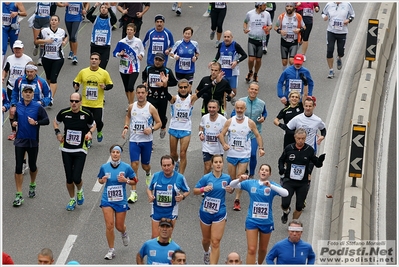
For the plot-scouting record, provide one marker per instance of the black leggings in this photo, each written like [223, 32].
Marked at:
[299, 188]
[104, 52]
[217, 19]
[161, 105]
[19, 158]
[52, 68]
[72, 29]
[73, 166]
[98, 117]
[331, 39]
[129, 80]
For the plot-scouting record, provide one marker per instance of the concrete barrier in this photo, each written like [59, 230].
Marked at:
[347, 215]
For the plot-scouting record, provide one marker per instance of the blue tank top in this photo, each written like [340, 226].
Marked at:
[7, 9]
[227, 55]
[101, 33]
[73, 12]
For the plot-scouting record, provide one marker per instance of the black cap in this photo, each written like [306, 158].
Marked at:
[27, 88]
[160, 55]
[159, 16]
[165, 222]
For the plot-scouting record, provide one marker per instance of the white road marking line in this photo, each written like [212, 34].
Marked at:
[66, 250]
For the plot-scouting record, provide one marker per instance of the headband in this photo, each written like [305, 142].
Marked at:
[295, 228]
[117, 148]
[30, 67]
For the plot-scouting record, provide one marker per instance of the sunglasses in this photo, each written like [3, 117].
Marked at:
[74, 101]
[183, 87]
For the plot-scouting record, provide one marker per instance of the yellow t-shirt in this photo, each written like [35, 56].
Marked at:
[93, 94]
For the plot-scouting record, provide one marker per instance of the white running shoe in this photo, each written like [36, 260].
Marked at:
[174, 6]
[125, 239]
[110, 255]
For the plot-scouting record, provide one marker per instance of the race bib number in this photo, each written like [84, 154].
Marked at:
[297, 172]
[211, 139]
[226, 62]
[153, 79]
[101, 39]
[115, 193]
[124, 63]
[338, 24]
[73, 138]
[73, 9]
[6, 19]
[290, 37]
[51, 49]
[295, 85]
[238, 145]
[91, 93]
[138, 128]
[182, 115]
[164, 198]
[260, 210]
[185, 63]
[211, 205]
[157, 47]
[308, 12]
[220, 4]
[44, 11]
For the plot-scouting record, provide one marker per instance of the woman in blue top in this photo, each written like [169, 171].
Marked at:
[185, 52]
[166, 190]
[115, 175]
[212, 212]
[259, 223]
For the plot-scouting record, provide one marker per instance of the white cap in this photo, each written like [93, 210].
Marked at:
[18, 44]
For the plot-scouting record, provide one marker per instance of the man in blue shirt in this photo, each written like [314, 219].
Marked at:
[292, 250]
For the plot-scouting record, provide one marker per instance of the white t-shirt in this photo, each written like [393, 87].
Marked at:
[211, 130]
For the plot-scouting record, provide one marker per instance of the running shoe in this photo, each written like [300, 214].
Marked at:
[51, 104]
[207, 257]
[330, 74]
[71, 205]
[70, 56]
[265, 50]
[174, 6]
[125, 239]
[255, 79]
[88, 143]
[249, 76]
[99, 136]
[177, 166]
[12, 136]
[110, 255]
[81, 197]
[32, 190]
[284, 218]
[339, 63]
[35, 50]
[237, 206]
[133, 197]
[212, 35]
[25, 167]
[148, 179]
[178, 11]
[304, 205]
[162, 133]
[75, 60]
[304, 58]
[18, 200]
[217, 43]
[39, 62]
[233, 101]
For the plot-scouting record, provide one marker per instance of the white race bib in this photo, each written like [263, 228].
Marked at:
[185, 63]
[260, 210]
[297, 172]
[211, 205]
[115, 193]
[91, 93]
[73, 137]
[164, 198]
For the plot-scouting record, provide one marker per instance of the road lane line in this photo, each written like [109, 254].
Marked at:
[66, 250]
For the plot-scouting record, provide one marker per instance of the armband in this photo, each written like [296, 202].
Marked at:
[125, 127]
[302, 30]
[202, 190]
[214, 60]
[350, 19]
[278, 31]
[57, 131]
[196, 58]
[200, 132]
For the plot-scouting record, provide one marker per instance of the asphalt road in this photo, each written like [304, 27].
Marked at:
[44, 222]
